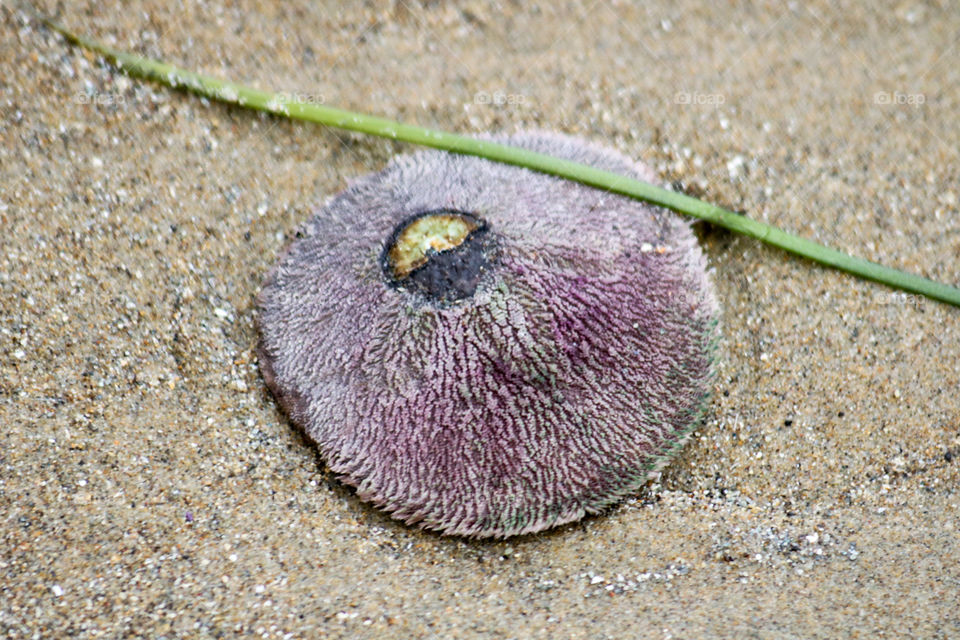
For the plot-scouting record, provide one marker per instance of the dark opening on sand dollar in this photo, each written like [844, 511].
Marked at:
[485, 351]
[440, 254]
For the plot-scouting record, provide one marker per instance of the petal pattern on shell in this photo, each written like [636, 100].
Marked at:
[574, 370]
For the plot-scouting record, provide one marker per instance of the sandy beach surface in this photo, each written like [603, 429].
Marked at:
[149, 485]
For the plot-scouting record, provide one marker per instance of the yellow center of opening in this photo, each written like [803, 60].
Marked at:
[438, 231]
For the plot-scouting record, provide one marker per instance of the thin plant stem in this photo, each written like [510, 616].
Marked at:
[287, 106]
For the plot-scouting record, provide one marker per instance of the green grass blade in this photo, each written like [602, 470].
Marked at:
[282, 105]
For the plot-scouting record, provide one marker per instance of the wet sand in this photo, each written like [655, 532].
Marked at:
[150, 487]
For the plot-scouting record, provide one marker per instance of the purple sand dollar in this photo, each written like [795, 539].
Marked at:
[483, 350]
